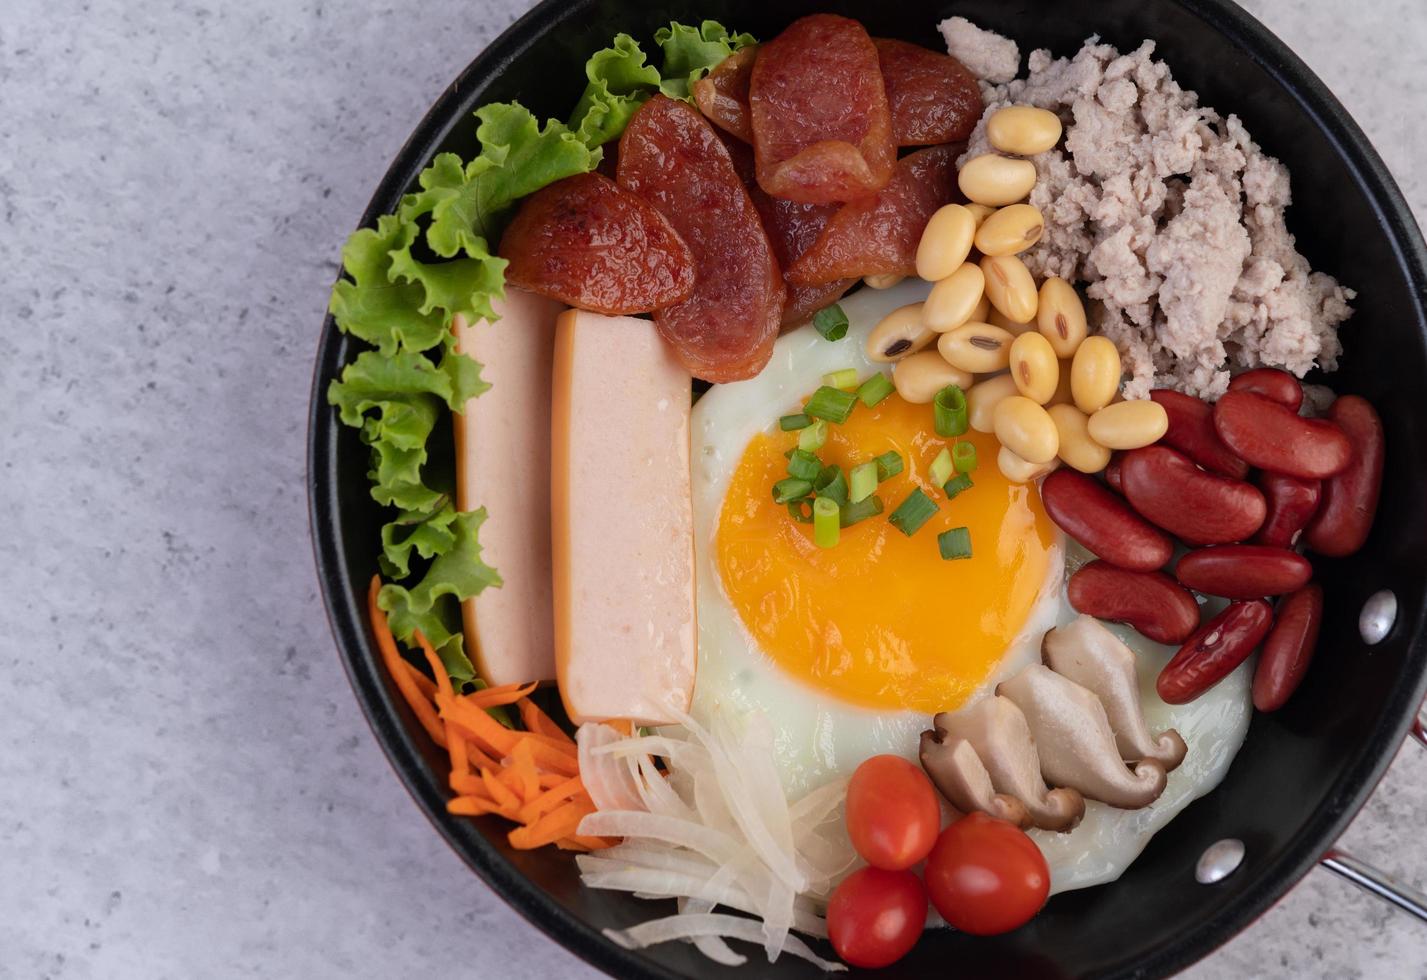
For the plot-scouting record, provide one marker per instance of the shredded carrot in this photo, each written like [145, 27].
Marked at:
[424, 684]
[536, 720]
[537, 806]
[558, 823]
[397, 668]
[530, 777]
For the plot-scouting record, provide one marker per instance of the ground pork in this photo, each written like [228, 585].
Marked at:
[1171, 216]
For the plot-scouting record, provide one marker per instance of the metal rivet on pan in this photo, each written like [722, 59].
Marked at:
[1219, 860]
[1377, 617]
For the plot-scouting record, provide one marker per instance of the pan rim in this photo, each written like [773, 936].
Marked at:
[1357, 781]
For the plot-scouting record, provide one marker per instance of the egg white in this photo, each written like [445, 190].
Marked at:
[818, 737]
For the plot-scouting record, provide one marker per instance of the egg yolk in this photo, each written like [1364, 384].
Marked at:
[881, 620]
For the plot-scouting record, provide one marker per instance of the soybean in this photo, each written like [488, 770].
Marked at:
[946, 241]
[920, 376]
[955, 299]
[883, 281]
[980, 212]
[1023, 130]
[1129, 425]
[1094, 374]
[1018, 470]
[996, 181]
[1026, 429]
[1077, 449]
[1062, 394]
[899, 333]
[1010, 230]
[976, 347]
[1061, 316]
[999, 319]
[1034, 366]
[1010, 287]
[982, 399]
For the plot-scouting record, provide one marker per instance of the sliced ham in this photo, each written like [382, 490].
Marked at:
[621, 522]
[502, 465]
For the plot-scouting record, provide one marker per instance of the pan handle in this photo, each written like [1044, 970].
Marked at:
[1370, 879]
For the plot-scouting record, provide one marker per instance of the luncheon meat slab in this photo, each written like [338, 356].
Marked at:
[879, 236]
[722, 95]
[672, 157]
[590, 243]
[621, 522]
[502, 467]
[932, 97]
[792, 228]
[822, 131]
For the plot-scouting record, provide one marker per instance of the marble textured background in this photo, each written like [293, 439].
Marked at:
[187, 787]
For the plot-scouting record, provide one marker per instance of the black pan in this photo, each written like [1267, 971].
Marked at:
[1303, 773]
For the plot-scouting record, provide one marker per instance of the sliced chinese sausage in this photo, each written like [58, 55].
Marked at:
[671, 156]
[931, 96]
[879, 235]
[791, 228]
[590, 243]
[722, 94]
[822, 131]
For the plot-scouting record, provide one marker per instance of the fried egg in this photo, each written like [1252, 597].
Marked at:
[849, 651]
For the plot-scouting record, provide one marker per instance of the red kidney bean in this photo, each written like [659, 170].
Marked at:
[1291, 505]
[1271, 436]
[1272, 383]
[1350, 498]
[1289, 647]
[1103, 522]
[1191, 431]
[1198, 507]
[1243, 571]
[1151, 602]
[1112, 474]
[1213, 652]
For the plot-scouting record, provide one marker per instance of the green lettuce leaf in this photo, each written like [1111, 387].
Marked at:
[517, 159]
[619, 82]
[375, 307]
[396, 401]
[689, 53]
[428, 533]
[432, 605]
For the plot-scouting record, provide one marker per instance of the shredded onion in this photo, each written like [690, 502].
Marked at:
[713, 828]
[711, 924]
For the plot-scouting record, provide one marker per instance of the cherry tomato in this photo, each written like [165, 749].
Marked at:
[985, 876]
[892, 813]
[874, 916]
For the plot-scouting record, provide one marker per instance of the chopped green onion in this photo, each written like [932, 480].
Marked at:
[826, 523]
[842, 380]
[831, 404]
[860, 511]
[913, 512]
[941, 468]
[831, 322]
[791, 423]
[958, 483]
[863, 482]
[954, 544]
[812, 438]
[874, 389]
[832, 485]
[950, 408]
[888, 465]
[963, 454]
[801, 510]
[804, 465]
[791, 489]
